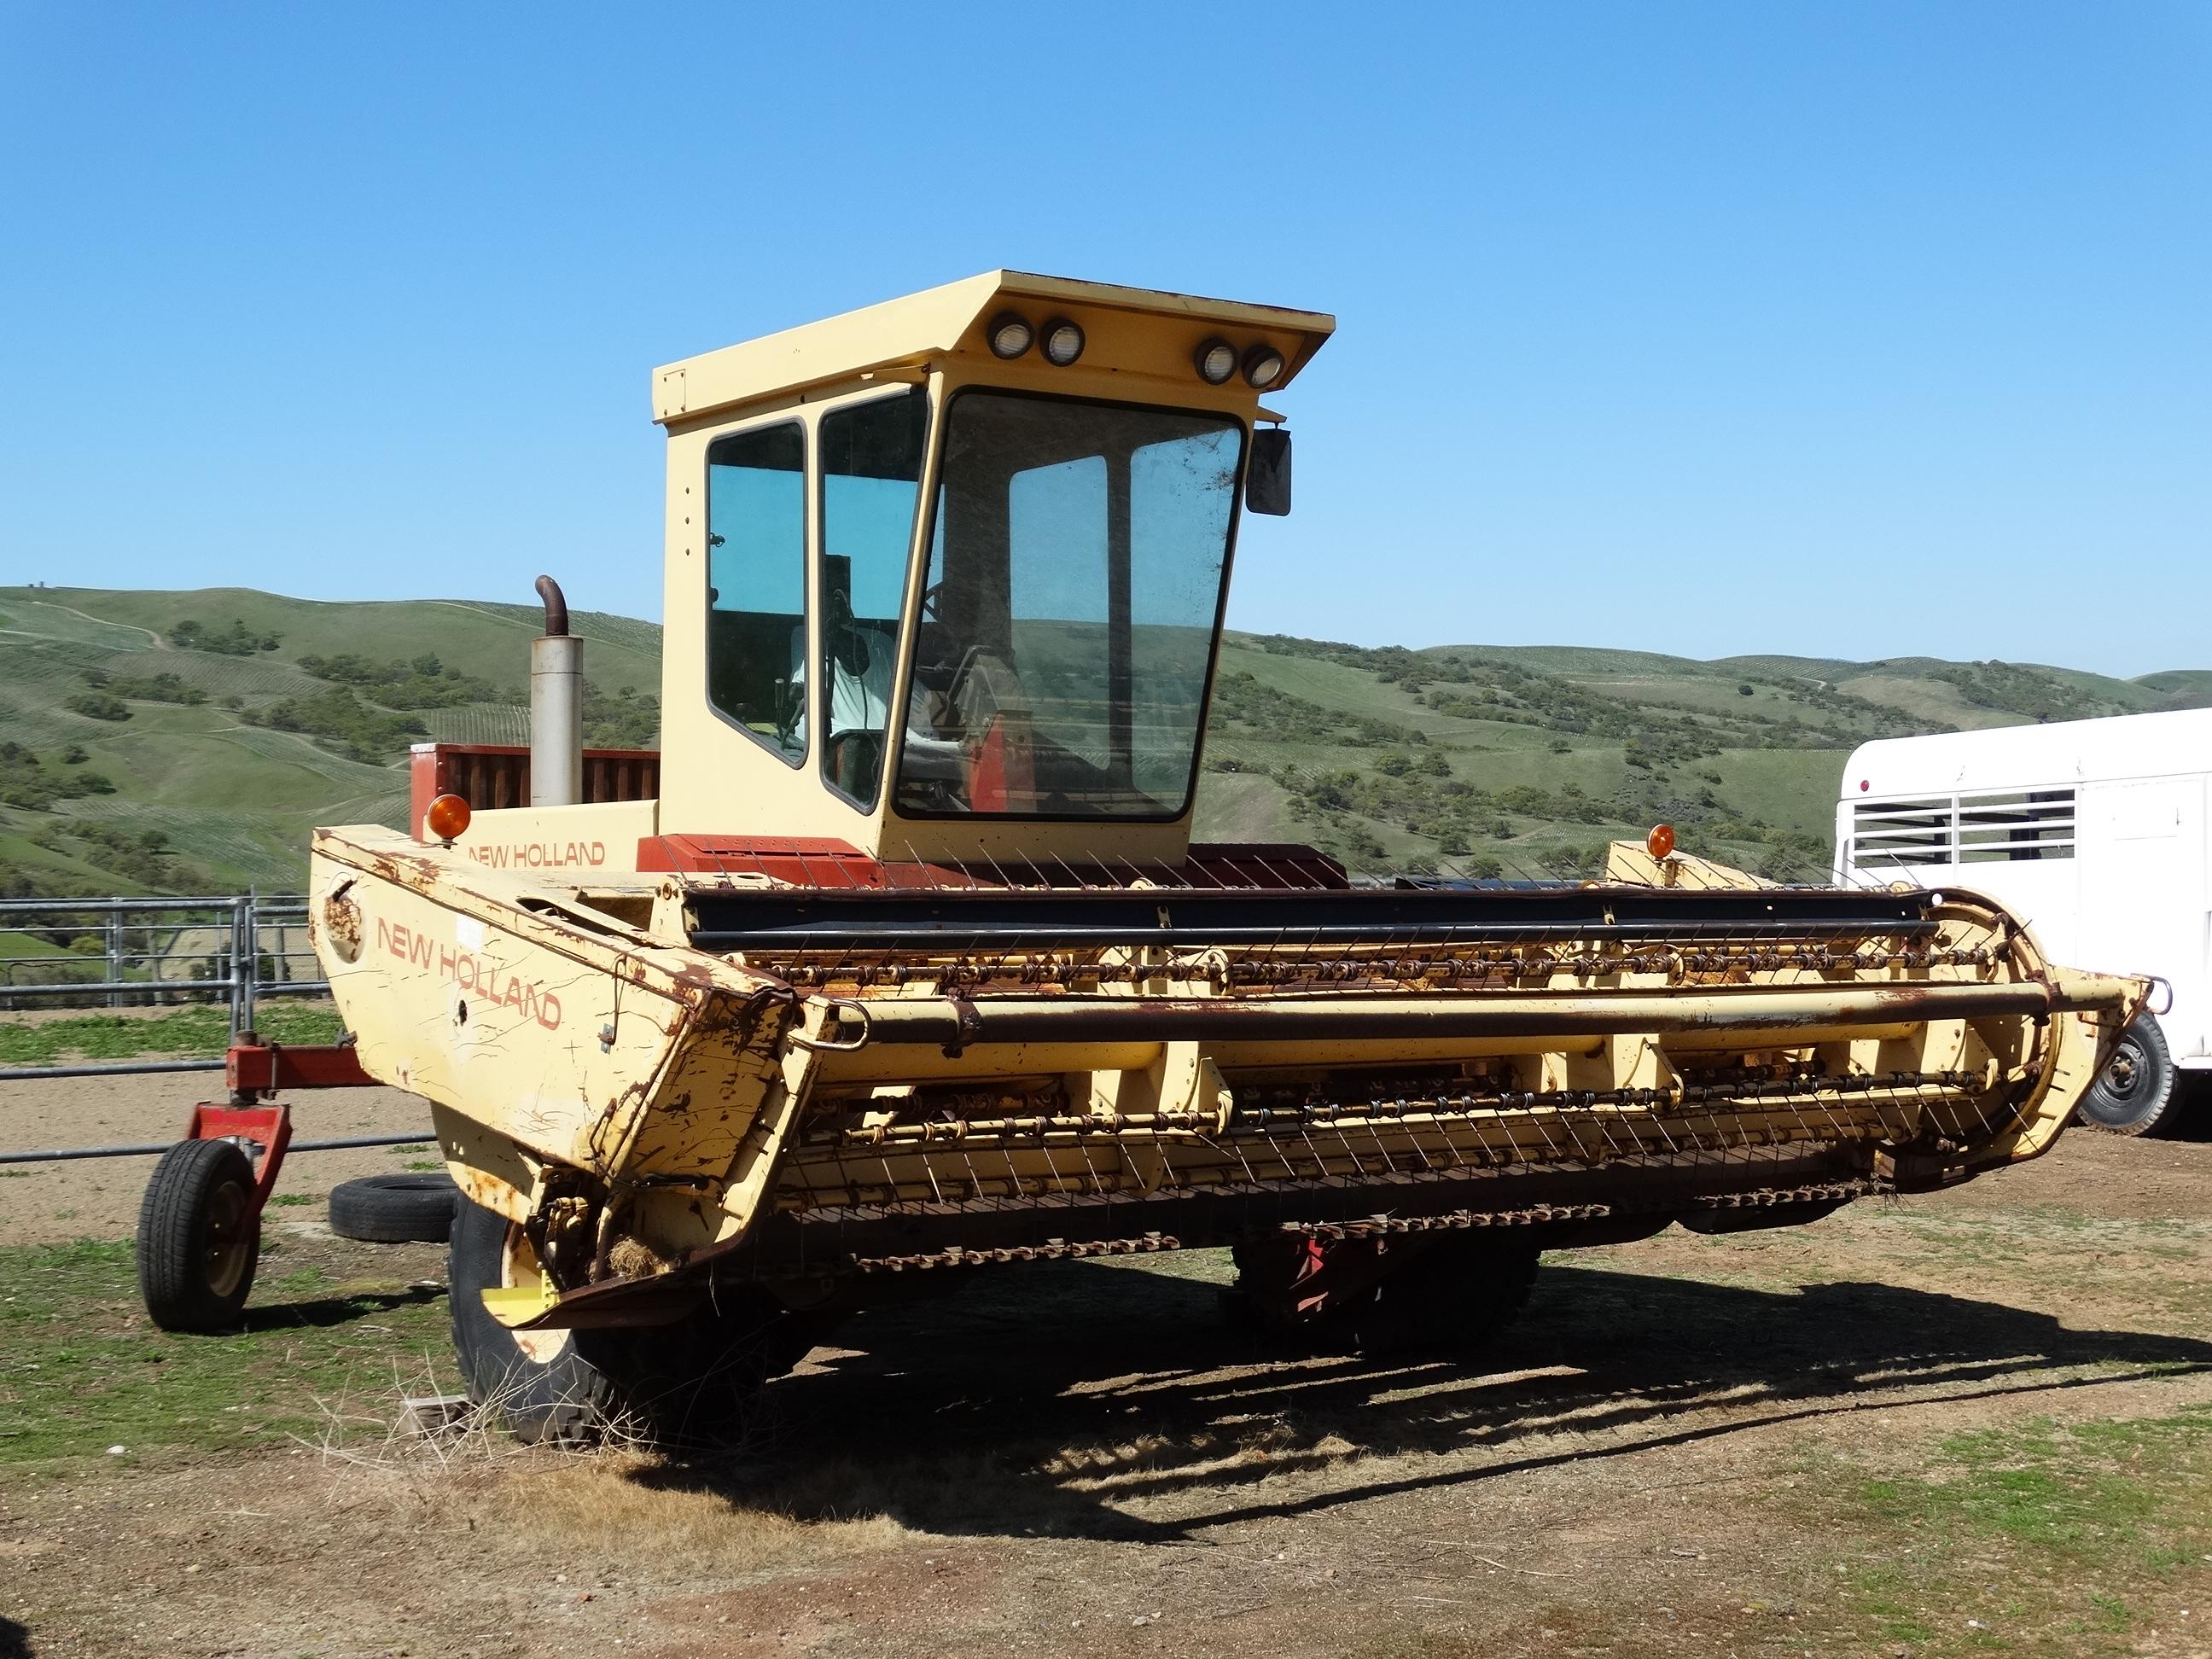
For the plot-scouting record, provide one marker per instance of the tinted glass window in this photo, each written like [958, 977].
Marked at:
[871, 481]
[1076, 576]
[757, 585]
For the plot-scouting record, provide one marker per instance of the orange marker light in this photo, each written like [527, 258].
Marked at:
[446, 818]
[1658, 843]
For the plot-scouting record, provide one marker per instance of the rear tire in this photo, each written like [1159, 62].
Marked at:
[199, 1237]
[688, 1382]
[1451, 1298]
[413, 1208]
[1446, 1293]
[2137, 1093]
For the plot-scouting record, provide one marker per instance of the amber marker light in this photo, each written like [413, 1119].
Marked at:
[1661, 840]
[448, 818]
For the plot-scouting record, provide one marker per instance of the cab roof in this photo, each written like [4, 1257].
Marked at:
[1147, 333]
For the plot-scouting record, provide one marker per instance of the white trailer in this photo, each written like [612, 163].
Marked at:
[2095, 832]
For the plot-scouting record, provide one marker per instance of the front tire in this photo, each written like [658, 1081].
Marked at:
[543, 1385]
[2138, 1091]
[687, 1383]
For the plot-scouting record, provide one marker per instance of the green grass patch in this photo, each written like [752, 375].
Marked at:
[2091, 1492]
[2041, 1537]
[202, 1029]
[82, 1370]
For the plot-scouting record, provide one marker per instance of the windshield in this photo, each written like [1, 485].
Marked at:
[1075, 583]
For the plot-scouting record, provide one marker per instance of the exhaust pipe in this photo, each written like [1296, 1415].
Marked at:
[556, 706]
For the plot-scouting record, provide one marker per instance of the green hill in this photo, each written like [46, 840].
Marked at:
[187, 741]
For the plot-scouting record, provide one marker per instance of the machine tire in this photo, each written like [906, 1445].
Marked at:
[199, 1236]
[686, 1383]
[1452, 1298]
[2138, 1091]
[402, 1208]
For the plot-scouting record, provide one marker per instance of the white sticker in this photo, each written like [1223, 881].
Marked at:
[468, 932]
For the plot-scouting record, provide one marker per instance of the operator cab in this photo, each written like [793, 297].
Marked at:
[945, 577]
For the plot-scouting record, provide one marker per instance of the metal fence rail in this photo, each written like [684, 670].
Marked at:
[155, 1148]
[233, 950]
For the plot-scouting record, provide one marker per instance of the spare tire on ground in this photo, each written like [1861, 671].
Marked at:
[396, 1209]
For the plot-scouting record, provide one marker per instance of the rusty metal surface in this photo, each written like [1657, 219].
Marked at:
[915, 1104]
[942, 1022]
[955, 1255]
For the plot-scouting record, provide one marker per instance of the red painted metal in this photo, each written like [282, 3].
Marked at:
[800, 860]
[490, 776]
[823, 861]
[263, 1068]
[1261, 864]
[268, 1126]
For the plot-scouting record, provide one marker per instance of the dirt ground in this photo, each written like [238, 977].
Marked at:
[98, 1197]
[1689, 1446]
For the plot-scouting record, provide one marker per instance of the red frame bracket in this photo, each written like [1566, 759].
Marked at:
[269, 1127]
[261, 1068]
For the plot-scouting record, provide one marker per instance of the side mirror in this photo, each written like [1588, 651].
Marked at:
[1268, 475]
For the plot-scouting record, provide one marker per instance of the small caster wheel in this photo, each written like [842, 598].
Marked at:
[199, 1236]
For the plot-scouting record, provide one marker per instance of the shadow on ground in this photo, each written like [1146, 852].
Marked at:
[333, 1311]
[2195, 1121]
[1044, 1402]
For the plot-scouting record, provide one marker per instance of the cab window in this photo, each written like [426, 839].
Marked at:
[870, 461]
[757, 586]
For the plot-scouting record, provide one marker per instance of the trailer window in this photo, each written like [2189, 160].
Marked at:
[1982, 827]
[757, 585]
[1078, 561]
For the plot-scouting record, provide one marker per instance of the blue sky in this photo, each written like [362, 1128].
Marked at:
[1855, 329]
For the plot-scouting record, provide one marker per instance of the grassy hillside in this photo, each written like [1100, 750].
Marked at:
[187, 741]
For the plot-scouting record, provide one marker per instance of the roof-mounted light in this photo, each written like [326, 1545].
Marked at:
[1216, 362]
[1263, 367]
[1063, 342]
[1010, 334]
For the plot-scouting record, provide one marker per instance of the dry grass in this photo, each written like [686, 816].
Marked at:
[616, 1500]
[659, 1515]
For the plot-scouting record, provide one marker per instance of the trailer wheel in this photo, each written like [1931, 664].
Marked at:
[1452, 1298]
[688, 1382]
[2136, 1093]
[199, 1236]
[413, 1208]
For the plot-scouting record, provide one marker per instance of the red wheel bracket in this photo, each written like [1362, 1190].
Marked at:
[268, 1126]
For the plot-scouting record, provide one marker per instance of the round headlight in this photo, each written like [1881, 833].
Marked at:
[1063, 342]
[1216, 362]
[1263, 367]
[1010, 334]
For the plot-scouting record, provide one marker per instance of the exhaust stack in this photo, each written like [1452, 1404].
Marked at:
[556, 706]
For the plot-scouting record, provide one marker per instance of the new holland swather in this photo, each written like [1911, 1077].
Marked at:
[897, 962]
